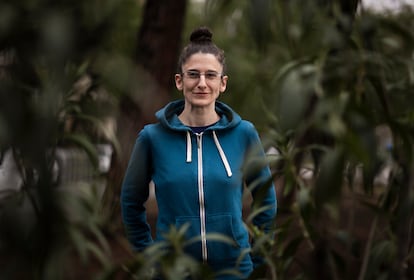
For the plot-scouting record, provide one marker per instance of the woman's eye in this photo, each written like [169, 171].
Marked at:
[193, 75]
[211, 76]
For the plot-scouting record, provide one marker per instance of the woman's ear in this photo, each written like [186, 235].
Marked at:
[178, 81]
[223, 83]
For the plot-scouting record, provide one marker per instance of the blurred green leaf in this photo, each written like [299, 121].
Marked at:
[329, 182]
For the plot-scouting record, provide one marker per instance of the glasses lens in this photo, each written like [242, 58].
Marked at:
[193, 74]
[209, 75]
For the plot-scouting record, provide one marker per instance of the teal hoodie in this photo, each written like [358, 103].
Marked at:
[198, 181]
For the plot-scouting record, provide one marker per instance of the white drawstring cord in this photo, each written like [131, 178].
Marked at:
[220, 150]
[188, 147]
[222, 155]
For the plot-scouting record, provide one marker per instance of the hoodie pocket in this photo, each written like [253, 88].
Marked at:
[231, 246]
[192, 224]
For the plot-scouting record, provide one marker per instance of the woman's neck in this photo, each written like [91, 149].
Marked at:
[198, 117]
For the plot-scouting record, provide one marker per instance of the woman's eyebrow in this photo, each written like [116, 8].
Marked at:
[208, 70]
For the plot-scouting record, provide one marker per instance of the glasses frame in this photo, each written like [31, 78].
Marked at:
[197, 75]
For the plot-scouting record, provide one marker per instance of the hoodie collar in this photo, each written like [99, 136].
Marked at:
[168, 116]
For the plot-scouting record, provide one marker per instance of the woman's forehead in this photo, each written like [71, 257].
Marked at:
[202, 61]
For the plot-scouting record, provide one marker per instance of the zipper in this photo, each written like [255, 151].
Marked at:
[201, 197]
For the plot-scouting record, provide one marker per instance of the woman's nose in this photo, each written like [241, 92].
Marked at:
[202, 81]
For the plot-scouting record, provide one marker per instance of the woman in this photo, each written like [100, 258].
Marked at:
[195, 156]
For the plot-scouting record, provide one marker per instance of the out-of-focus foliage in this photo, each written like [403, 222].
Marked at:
[59, 64]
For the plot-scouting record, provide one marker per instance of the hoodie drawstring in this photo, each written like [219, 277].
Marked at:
[188, 147]
[219, 148]
[222, 155]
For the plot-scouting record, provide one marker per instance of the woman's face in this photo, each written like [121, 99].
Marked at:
[201, 81]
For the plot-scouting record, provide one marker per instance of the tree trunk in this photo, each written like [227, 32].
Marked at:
[158, 44]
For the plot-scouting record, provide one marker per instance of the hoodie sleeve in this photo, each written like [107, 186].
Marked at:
[259, 181]
[135, 192]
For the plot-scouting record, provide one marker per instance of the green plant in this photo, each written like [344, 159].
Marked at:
[48, 50]
[345, 78]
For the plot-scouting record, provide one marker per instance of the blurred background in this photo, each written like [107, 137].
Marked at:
[328, 84]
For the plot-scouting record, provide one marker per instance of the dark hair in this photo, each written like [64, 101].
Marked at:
[201, 42]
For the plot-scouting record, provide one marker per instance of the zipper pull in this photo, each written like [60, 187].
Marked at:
[199, 135]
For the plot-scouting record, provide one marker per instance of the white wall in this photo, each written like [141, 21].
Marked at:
[386, 5]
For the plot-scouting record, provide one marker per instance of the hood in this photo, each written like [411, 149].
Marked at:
[168, 116]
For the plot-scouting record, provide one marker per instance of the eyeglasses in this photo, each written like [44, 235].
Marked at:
[209, 75]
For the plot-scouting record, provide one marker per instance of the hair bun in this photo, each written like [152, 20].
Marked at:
[201, 35]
